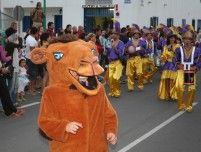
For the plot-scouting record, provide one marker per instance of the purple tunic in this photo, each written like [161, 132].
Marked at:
[149, 51]
[170, 66]
[141, 44]
[112, 55]
[197, 57]
[162, 43]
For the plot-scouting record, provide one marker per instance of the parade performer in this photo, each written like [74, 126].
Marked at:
[135, 49]
[75, 112]
[169, 74]
[148, 66]
[115, 55]
[188, 62]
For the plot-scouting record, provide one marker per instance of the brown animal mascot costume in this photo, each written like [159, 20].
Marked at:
[75, 112]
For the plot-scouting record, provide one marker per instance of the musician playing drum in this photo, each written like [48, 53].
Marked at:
[188, 62]
[135, 49]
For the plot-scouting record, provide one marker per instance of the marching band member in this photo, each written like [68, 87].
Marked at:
[169, 73]
[149, 68]
[188, 62]
[115, 54]
[135, 48]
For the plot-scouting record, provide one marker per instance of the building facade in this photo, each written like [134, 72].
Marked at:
[94, 12]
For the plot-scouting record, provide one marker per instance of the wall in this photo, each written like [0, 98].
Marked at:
[72, 10]
[177, 9]
[73, 13]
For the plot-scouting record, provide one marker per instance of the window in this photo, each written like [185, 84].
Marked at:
[199, 24]
[193, 23]
[154, 21]
[26, 23]
[183, 22]
[170, 22]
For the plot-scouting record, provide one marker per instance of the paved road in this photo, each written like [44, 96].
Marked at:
[139, 113]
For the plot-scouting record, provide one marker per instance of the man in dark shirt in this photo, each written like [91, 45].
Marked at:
[123, 36]
[50, 29]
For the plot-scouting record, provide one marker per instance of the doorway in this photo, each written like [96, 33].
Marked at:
[98, 18]
[58, 22]
[198, 25]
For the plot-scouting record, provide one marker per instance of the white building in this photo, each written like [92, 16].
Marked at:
[92, 12]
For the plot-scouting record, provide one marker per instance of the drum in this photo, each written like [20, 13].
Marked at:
[189, 77]
[131, 49]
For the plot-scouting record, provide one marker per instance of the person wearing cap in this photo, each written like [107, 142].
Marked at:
[115, 54]
[149, 68]
[188, 59]
[169, 71]
[135, 49]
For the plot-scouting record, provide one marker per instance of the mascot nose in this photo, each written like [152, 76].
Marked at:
[90, 68]
[97, 69]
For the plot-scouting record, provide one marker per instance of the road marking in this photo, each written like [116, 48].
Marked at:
[29, 105]
[148, 134]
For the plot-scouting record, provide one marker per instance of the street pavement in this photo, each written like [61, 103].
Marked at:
[140, 117]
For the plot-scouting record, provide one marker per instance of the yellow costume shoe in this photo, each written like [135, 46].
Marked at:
[182, 107]
[189, 109]
[141, 88]
[116, 96]
[111, 94]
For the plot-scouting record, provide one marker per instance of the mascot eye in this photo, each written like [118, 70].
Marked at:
[58, 55]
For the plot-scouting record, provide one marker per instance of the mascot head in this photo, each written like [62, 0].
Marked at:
[72, 63]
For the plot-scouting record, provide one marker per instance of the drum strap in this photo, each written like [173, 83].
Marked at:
[187, 65]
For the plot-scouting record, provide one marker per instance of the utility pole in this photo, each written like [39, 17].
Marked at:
[44, 11]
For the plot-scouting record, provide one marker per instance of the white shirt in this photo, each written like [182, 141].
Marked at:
[16, 60]
[22, 71]
[30, 42]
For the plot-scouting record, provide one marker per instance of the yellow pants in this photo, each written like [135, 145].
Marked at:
[115, 73]
[134, 67]
[167, 89]
[148, 69]
[180, 88]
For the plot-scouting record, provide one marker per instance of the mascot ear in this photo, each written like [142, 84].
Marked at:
[38, 55]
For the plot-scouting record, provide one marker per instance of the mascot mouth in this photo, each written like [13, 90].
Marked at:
[88, 82]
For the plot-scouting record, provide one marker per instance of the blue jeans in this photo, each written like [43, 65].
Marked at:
[12, 86]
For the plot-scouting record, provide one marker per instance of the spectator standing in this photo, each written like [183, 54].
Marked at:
[32, 71]
[50, 29]
[8, 107]
[11, 30]
[68, 29]
[12, 48]
[44, 42]
[81, 32]
[22, 80]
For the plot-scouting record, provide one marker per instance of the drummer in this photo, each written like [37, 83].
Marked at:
[148, 66]
[135, 49]
[188, 62]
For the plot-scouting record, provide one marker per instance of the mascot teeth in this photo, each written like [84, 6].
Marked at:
[83, 79]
